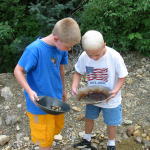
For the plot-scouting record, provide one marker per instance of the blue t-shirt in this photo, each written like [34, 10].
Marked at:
[42, 65]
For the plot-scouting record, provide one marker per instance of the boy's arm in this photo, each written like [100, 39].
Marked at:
[117, 87]
[62, 73]
[19, 74]
[75, 82]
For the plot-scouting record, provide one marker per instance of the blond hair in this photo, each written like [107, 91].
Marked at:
[67, 30]
[92, 40]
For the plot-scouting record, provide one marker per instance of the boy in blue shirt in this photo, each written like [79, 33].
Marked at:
[103, 66]
[43, 62]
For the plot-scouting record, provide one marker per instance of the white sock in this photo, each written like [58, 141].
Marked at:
[111, 143]
[87, 137]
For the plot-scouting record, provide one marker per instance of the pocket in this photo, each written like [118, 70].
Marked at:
[38, 131]
[37, 127]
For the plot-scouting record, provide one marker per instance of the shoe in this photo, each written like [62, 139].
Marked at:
[84, 144]
[111, 147]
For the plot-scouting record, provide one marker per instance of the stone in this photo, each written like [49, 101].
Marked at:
[129, 81]
[144, 135]
[6, 93]
[146, 143]
[11, 119]
[81, 134]
[138, 139]
[36, 148]
[81, 117]
[130, 131]
[19, 106]
[19, 136]
[127, 122]
[17, 128]
[26, 138]
[58, 137]
[6, 107]
[4, 139]
[136, 127]
[137, 133]
[77, 109]
[7, 148]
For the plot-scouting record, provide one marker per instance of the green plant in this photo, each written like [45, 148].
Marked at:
[17, 29]
[47, 13]
[124, 24]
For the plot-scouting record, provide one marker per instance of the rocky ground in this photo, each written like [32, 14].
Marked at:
[133, 134]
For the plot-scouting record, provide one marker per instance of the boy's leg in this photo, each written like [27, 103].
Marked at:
[89, 124]
[92, 112]
[42, 130]
[112, 117]
[59, 123]
[111, 132]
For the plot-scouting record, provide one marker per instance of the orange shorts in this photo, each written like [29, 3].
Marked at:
[44, 127]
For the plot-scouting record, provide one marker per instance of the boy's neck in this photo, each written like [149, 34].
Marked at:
[49, 40]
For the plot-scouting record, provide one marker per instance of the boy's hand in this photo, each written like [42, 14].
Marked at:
[33, 95]
[112, 94]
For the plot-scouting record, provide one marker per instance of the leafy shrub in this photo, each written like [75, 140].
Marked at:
[23, 21]
[17, 29]
[124, 24]
[49, 12]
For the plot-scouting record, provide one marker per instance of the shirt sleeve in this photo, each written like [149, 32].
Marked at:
[121, 69]
[80, 65]
[64, 58]
[28, 59]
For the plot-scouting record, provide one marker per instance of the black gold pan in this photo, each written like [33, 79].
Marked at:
[52, 105]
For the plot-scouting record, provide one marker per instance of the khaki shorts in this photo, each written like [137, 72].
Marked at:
[44, 127]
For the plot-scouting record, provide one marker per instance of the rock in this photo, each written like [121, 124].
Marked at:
[144, 135]
[81, 117]
[148, 138]
[130, 131]
[95, 141]
[146, 143]
[127, 122]
[140, 71]
[54, 143]
[137, 133]
[19, 136]
[136, 127]
[26, 138]
[19, 106]
[17, 128]
[138, 139]
[76, 108]
[58, 137]
[4, 139]
[81, 134]
[6, 107]
[129, 81]
[143, 60]
[7, 148]
[11, 119]
[36, 148]
[6, 93]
